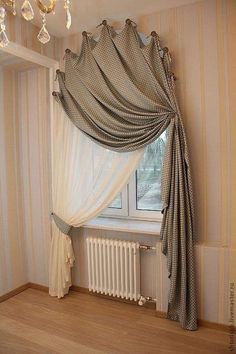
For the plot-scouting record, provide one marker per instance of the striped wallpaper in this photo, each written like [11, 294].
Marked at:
[201, 38]
[24, 180]
[25, 33]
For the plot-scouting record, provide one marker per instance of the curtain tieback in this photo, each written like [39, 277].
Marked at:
[62, 225]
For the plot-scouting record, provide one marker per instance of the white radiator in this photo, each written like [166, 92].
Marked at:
[114, 267]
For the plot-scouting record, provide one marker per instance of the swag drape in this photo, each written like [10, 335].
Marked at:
[120, 93]
[85, 180]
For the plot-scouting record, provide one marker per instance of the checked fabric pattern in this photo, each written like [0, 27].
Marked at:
[120, 93]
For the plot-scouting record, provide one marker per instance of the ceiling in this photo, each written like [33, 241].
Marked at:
[87, 14]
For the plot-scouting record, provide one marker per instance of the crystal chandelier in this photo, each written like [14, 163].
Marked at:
[27, 13]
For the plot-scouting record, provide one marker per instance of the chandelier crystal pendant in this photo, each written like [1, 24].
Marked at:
[2, 14]
[3, 36]
[14, 7]
[45, 7]
[43, 36]
[27, 11]
[68, 14]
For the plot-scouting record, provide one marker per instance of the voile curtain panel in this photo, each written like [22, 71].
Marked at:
[85, 180]
[120, 93]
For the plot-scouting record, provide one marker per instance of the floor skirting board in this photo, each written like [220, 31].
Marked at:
[39, 287]
[14, 292]
[202, 323]
[79, 289]
[150, 305]
[21, 288]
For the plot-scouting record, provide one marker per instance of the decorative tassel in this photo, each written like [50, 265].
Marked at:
[104, 23]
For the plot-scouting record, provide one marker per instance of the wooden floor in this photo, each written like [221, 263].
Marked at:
[32, 322]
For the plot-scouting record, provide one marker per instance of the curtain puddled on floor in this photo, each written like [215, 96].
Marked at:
[120, 93]
[85, 180]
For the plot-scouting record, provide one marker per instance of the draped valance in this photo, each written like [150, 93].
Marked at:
[120, 93]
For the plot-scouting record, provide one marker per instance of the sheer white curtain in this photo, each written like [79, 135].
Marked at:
[85, 179]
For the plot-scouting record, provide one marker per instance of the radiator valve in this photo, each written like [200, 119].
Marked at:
[143, 299]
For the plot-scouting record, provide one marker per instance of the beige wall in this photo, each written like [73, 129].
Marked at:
[13, 267]
[24, 172]
[24, 176]
[201, 38]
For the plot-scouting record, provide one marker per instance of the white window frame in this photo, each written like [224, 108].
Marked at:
[133, 211]
[128, 202]
[129, 205]
[119, 212]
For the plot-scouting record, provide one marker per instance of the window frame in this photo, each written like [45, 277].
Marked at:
[119, 212]
[129, 205]
[137, 213]
[128, 202]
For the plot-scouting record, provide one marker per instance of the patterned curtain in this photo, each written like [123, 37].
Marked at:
[120, 92]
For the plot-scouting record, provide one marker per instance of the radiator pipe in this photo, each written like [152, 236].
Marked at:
[146, 247]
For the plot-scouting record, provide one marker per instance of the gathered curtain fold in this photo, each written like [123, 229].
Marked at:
[85, 180]
[120, 93]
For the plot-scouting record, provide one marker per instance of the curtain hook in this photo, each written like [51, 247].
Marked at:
[57, 73]
[129, 21]
[67, 51]
[155, 35]
[104, 23]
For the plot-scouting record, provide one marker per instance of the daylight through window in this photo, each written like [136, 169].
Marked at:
[141, 198]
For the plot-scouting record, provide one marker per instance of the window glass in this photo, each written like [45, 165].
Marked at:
[117, 202]
[142, 198]
[148, 176]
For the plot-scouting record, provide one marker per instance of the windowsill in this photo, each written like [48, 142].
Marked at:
[125, 225]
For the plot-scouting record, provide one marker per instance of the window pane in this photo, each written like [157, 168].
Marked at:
[117, 202]
[148, 176]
